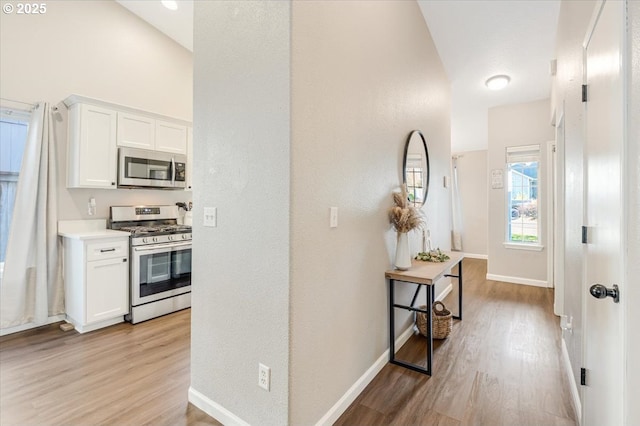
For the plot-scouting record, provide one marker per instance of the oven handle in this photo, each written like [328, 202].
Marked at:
[163, 247]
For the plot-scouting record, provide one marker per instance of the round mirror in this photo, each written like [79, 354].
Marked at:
[415, 168]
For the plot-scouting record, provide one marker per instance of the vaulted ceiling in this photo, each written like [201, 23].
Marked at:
[476, 39]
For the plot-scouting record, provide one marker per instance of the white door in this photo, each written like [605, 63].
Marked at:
[107, 289]
[604, 210]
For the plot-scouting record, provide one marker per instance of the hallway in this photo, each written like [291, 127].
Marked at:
[501, 365]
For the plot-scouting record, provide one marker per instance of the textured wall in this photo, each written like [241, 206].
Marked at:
[96, 49]
[364, 74]
[473, 185]
[513, 125]
[240, 313]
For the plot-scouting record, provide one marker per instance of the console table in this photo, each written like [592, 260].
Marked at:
[422, 274]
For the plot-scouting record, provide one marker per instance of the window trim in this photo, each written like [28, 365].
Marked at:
[516, 154]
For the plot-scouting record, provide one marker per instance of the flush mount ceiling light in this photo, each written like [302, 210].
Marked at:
[497, 82]
[170, 4]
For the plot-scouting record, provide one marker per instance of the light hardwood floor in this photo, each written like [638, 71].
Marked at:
[120, 375]
[500, 366]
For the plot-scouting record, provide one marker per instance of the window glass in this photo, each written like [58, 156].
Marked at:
[13, 135]
[523, 223]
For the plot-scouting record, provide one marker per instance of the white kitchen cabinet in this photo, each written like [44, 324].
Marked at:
[96, 275]
[189, 159]
[91, 151]
[171, 137]
[136, 131]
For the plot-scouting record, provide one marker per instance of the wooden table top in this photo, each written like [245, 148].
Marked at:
[423, 272]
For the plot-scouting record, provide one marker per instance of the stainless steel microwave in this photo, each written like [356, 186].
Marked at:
[141, 168]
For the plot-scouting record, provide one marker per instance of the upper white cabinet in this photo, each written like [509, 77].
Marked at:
[92, 150]
[136, 131]
[96, 130]
[171, 137]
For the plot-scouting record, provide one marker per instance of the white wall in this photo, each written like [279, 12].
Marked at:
[101, 50]
[473, 186]
[513, 125]
[240, 289]
[363, 76]
[572, 27]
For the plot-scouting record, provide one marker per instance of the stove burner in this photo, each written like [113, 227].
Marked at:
[141, 229]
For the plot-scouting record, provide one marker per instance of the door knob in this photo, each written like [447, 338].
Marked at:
[601, 292]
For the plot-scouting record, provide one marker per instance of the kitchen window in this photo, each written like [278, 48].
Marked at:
[522, 212]
[13, 135]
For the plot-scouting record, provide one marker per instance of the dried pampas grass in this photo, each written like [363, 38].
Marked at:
[404, 217]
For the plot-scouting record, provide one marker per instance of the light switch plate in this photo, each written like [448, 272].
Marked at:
[210, 217]
[333, 217]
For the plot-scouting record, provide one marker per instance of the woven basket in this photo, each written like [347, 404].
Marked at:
[441, 322]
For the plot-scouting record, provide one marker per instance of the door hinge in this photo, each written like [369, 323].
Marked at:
[585, 235]
[583, 376]
[584, 93]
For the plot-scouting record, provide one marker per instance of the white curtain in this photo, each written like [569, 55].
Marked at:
[456, 208]
[32, 288]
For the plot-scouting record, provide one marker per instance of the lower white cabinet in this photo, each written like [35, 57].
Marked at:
[96, 281]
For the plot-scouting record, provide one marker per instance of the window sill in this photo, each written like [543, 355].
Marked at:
[523, 246]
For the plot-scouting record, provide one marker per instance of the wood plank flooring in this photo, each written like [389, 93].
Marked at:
[501, 365]
[120, 375]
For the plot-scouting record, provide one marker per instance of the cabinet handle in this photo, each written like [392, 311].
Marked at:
[106, 250]
[124, 260]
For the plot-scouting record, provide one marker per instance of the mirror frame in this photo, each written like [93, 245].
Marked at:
[404, 165]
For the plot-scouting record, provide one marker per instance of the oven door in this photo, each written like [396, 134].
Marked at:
[159, 271]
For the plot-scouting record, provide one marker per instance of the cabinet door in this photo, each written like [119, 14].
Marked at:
[107, 289]
[136, 131]
[97, 160]
[171, 137]
[189, 159]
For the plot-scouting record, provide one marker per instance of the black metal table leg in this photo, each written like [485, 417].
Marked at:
[392, 332]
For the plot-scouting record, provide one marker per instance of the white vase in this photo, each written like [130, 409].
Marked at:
[403, 257]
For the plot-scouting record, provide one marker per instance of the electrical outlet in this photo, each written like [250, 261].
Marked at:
[264, 377]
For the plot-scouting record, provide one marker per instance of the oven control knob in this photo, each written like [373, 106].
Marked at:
[155, 239]
[145, 240]
[184, 236]
[170, 237]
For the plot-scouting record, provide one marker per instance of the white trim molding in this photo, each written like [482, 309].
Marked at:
[30, 325]
[523, 246]
[214, 409]
[518, 280]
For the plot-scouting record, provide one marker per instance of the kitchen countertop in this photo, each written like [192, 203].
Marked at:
[87, 229]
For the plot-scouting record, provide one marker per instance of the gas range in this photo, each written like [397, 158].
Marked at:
[149, 224]
[160, 252]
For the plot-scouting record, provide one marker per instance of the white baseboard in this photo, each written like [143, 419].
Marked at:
[575, 394]
[476, 256]
[518, 280]
[352, 393]
[214, 409]
[29, 326]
